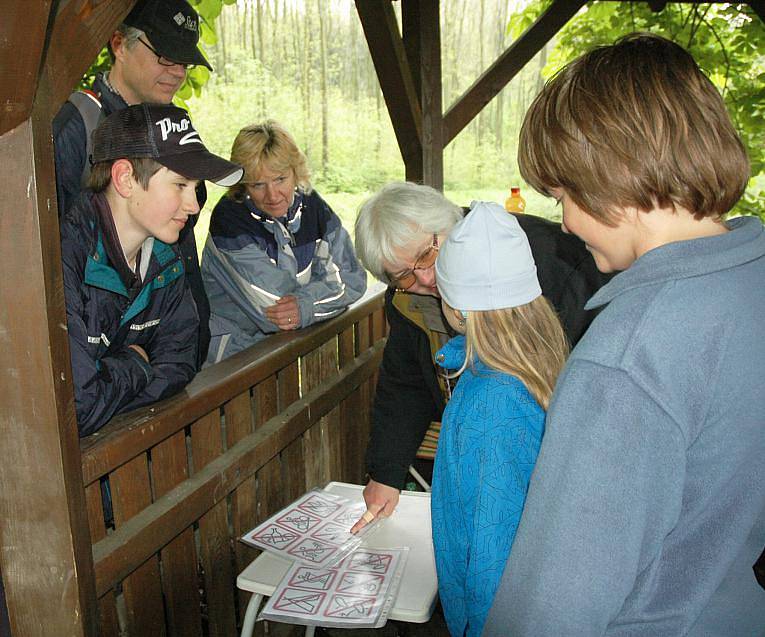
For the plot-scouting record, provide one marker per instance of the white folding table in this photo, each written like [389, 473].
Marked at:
[408, 526]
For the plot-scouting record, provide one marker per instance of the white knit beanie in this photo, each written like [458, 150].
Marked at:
[486, 262]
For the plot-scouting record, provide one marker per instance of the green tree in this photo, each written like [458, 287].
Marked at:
[725, 40]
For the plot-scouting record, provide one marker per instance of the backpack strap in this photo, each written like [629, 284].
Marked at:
[89, 107]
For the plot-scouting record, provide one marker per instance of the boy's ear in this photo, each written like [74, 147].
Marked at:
[123, 179]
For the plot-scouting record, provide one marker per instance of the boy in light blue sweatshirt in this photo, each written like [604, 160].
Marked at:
[646, 509]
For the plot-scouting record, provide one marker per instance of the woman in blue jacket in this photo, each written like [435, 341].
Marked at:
[277, 257]
[509, 354]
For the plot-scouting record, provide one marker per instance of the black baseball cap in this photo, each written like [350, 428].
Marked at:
[162, 132]
[172, 27]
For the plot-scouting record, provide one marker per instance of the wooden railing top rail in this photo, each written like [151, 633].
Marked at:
[130, 434]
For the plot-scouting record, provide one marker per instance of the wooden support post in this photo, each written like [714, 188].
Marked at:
[430, 74]
[46, 561]
[409, 72]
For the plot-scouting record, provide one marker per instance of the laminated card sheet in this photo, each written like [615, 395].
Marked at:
[313, 530]
[357, 593]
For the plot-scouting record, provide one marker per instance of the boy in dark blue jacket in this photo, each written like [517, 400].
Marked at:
[132, 322]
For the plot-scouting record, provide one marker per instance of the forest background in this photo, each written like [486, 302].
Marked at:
[306, 64]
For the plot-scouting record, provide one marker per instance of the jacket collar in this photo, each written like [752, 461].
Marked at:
[744, 242]
[111, 101]
[291, 221]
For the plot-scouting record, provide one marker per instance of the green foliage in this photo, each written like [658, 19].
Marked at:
[723, 39]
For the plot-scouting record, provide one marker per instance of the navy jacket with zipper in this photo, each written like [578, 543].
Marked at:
[70, 153]
[109, 376]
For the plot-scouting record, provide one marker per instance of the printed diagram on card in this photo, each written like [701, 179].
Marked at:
[315, 529]
[358, 592]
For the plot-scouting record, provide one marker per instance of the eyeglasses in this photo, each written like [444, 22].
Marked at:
[162, 59]
[407, 279]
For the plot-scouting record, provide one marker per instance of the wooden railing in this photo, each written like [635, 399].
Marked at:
[189, 475]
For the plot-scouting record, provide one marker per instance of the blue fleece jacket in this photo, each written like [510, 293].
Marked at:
[646, 509]
[490, 437]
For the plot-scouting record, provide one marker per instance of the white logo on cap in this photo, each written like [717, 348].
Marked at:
[179, 18]
[167, 126]
[190, 138]
[191, 24]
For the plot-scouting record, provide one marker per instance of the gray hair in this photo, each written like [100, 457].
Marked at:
[131, 35]
[388, 220]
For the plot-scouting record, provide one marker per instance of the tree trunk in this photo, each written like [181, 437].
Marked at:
[323, 83]
[222, 34]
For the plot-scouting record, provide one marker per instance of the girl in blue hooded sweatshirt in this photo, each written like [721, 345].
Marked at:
[508, 353]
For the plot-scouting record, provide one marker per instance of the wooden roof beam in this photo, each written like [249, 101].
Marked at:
[507, 66]
[394, 74]
[22, 47]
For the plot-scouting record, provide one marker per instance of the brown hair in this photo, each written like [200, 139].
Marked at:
[635, 124]
[526, 341]
[144, 168]
[271, 145]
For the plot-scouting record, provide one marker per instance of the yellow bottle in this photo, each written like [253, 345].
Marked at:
[515, 203]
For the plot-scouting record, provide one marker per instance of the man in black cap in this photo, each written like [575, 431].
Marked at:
[151, 52]
[130, 317]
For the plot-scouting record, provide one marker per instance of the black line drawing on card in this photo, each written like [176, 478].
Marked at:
[372, 562]
[360, 583]
[306, 577]
[300, 602]
[312, 550]
[350, 607]
[276, 536]
[319, 506]
[298, 520]
[332, 533]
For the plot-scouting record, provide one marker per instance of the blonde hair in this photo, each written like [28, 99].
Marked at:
[527, 342]
[267, 144]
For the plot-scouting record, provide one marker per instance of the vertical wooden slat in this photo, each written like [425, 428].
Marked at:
[169, 467]
[270, 493]
[108, 624]
[239, 423]
[363, 339]
[293, 470]
[289, 387]
[293, 466]
[334, 444]
[313, 451]
[131, 493]
[214, 541]
[239, 418]
[345, 350]
[378, 326]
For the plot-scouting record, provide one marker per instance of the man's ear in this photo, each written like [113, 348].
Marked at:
[123, 178]
[117, 44]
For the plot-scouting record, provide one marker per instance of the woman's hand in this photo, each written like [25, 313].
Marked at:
[285, 313]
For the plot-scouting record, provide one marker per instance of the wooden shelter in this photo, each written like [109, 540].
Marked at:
[248, 435]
